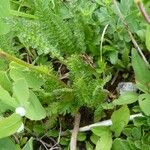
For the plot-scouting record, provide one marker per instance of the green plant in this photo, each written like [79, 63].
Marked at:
[58, 59]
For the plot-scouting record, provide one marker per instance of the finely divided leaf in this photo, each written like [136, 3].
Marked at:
[4, 28]
[4, 12]
[4, 8]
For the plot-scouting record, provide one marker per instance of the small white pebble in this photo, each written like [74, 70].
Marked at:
[126, 87]
[21, 128]
[20, 111]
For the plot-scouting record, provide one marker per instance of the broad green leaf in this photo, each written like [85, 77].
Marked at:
[136, 133]
[126, 98]
[99, 131]
[6, 143]
[6, 98]
[89, 146]
[144, 102]
[34, 110]
[29, 145]
[142, 73]
[4, 107]
[21, 91]
[4, 8]
[64, 141]
[53, 133]
[34, 80]
[81, 137]
[120, 144]
[104, 143]
[147, 36]
[4, 81]
[9, 125]
[127, 131]
[105, 140]
[94, 138]
[139, 121]
[120, 119]
[113, 57]
[142, 87]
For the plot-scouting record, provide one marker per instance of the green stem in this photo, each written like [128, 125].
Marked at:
[101, 44]
[30, 66]
[21, 14]
[20, 5]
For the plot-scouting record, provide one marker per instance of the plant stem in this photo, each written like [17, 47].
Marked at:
[105, 123]
[21, 14]
[30, 66]
[73, 142]
[20, 5]
[142, 10]
[101, 45]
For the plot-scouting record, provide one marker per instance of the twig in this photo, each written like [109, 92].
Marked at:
[22, 1]
[43, 143]
[16, 139]
[142, 10]
[102, 123]
[115, 77]
[73, 142]
[58, 140]
[57, 148]
[106, 123]
[130, 34]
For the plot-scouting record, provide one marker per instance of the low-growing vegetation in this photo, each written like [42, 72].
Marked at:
[74, 74]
